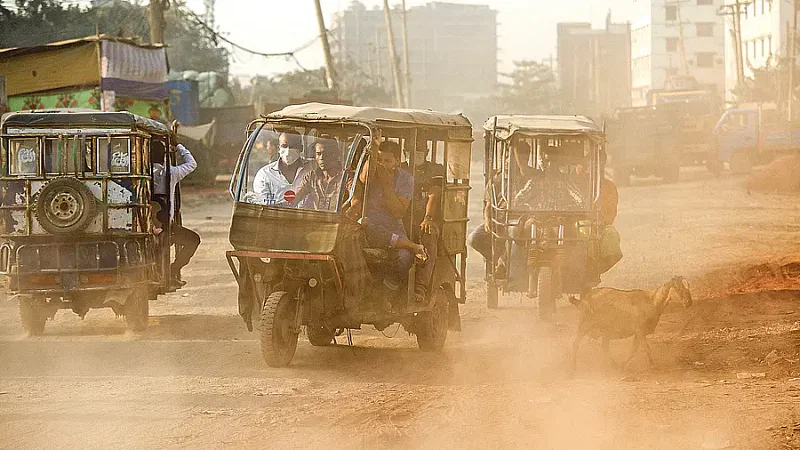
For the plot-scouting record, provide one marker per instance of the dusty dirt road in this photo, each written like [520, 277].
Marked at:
[727, 369]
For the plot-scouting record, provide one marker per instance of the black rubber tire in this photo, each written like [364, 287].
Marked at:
[278, 340]
[137, 309]
[68, 197]
[431, 327]
[32, 316]
[319, 336]
[492, 295]
[547, 298]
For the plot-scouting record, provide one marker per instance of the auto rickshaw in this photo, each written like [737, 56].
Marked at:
[543, 178]
[306, 264]
[77, 224]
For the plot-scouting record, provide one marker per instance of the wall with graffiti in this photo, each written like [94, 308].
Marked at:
[88, 98]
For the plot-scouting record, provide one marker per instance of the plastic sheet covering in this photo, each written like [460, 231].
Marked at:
[132, 71]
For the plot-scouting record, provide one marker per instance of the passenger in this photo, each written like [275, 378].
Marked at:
[607, 205]
[481, 238]
[428, 183]
[274, 180]
[186, 241]
[322, 185]
[388, 197]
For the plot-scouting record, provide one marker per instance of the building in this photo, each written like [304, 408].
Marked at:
[594, 67]
[452, 50]
[675, 38]
[765, 26]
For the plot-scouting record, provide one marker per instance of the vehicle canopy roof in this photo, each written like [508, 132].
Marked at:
[371, 116]
[509, 125]
[75, 119]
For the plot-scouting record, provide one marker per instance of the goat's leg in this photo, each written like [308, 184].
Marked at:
[647, 351]
[636, 343]
[606, 345]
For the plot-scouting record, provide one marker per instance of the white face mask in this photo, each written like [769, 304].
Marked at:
[289, 155]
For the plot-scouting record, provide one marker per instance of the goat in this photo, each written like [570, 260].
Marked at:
[608, 314]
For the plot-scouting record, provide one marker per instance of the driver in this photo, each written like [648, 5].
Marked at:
[274, 180]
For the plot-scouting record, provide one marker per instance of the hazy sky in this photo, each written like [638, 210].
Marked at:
[527, 28]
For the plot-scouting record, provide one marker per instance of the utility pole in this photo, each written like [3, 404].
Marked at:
[735, 11]
[157, 22]
[681, 42]
[792, 53]
[330, 75]
[398, 88]
[406, 66]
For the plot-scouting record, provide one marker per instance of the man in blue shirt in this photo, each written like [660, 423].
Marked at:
[388, 197]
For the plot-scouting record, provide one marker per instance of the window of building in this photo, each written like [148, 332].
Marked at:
[769, 44]
[705, 60]
[672, 44]
[671, 12]
[763, 53]
[705, 2]
[705, 29]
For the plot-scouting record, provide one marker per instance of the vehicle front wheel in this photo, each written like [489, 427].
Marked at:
[492, 295]
[319, 335]
[32, 315]
[431, 328]
[279, 331]
[547, 296]
[137, 309]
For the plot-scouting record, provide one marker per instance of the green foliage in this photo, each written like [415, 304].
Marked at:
[38, 22]
[532, 90]
[767, 84]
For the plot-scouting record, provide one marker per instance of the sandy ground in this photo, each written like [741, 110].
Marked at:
[727, 372]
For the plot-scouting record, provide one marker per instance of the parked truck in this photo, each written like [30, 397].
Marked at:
[752, 135]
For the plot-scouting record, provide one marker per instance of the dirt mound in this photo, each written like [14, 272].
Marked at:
[778, 176]
[776, 275]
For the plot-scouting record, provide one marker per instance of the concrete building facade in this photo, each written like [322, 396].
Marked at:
[671, 38]
[594, 67]
[452, 49]
[765, 31]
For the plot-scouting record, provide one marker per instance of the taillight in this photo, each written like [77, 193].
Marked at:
[99, 278]
[43, 280]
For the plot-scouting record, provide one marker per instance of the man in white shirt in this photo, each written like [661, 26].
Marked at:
[186, 241]
[273, 180]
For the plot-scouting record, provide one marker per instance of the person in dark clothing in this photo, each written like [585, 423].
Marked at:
[185, 240]
[428, 184]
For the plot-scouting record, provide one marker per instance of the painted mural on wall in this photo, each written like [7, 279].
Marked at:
[154, 109]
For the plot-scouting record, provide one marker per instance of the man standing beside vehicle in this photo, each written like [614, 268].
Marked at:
[275, 180]
[186, 241]
[428, 183]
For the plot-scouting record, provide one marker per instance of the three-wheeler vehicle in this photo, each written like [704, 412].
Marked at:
[543, 177]
[303, 263]
[77, 224]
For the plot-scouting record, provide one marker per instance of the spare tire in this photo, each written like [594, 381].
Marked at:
[65, 205]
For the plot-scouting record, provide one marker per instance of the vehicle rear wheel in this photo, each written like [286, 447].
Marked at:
[547, 296]
[740, 163]
[319, 335]
[32, 315]
[492, 295]
[431, 327]
[278, 329]
[137, 309]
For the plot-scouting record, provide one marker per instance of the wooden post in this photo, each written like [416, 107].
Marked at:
[792, 52]
[330, 75]
[398, 87]
[406, 65]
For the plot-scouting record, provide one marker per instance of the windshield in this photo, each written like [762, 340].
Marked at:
[297, 167]
[553, 174]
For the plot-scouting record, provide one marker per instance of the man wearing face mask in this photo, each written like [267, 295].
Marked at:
[275, 179]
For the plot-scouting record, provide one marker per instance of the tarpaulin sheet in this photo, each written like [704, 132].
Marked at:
[59, 67]
[132, 71]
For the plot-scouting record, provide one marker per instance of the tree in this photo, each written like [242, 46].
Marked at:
[532, 90]
[189, 47]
